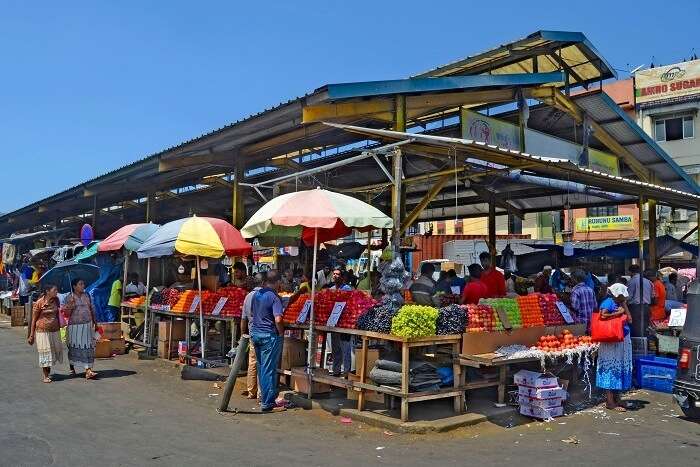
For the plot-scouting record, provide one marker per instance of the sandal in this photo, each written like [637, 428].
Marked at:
[617, 408]
[89, 374]
[47, 379]
[250, 396]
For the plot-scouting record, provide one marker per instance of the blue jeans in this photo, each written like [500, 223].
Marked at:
[341, 347]
[268, 351]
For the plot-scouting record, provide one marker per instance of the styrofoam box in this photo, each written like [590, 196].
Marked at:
[535, 380]
[540, 412]
[544, 403]
[546, 393]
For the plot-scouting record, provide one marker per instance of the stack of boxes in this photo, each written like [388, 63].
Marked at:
[540, 395]
[169, 336]
[17, 316]
[112, 342]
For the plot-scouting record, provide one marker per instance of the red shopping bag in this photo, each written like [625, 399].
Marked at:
[607, 330]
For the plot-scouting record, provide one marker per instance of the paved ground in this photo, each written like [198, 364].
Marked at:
[141, 413]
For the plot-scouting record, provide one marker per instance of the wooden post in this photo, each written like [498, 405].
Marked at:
[502, 379]
[653, 260]
[404, 380]
[457, 378]
[396, 202]
[237, 205]
[363, 374]
[492, 229]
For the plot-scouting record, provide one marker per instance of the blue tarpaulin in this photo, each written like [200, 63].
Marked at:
[664, 244]
[99, 291]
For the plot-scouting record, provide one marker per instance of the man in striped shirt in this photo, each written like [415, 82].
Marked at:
[583, 299]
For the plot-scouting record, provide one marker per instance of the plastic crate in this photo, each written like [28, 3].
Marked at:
[655, 373]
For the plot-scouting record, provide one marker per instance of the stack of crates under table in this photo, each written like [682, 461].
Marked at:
[540, 394]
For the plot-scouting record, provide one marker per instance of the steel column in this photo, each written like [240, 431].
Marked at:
[653, 260]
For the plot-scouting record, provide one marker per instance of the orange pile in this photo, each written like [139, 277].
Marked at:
[566, 340]
[530, 311]
[185, 302]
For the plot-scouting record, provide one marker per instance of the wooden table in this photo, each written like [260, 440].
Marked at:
[404, 394]
[489, 360]
[234, 323]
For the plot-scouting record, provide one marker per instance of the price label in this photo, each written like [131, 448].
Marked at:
[677, 318]
[335, 314]
[565, 313]
[304, 313]
[455, 289]
[195, 304]
[219, 306]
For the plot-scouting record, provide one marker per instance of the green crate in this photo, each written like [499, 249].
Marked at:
[668, 344]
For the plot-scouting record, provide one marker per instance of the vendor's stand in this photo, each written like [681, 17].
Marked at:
[199, 237]
[128, 239]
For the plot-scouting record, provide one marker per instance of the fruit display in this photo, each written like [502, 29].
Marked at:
[451, 319]
[414, 321]
[291, 313]
[511, 308]
[378, 318]
[165, 298]
[135, 301]
[234, 303]
[480, 318]
[184, 302]
[358, 303]
[566, 340]
[530, 311]
[550, 312]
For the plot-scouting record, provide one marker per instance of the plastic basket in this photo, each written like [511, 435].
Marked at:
[655, 373]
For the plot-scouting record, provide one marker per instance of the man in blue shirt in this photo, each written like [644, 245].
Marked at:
[267, 336]
[341, 345]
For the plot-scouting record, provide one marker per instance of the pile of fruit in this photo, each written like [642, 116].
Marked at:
[530, 311]
[566, 340]
[136, 301]
[184, 302]
[550, 312]
[291, 313]
[378, 318]
[451, 319]
[480, 318]
[414, 321]
[166, 297]
[234, 303]
[358, 303]
[511, 308]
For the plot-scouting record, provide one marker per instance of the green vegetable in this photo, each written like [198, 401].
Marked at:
[414, 321]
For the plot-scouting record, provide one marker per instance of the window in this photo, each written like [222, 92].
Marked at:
[441, 227]
[602, 211]
[458, 226]
[672, 129]
[515, 225]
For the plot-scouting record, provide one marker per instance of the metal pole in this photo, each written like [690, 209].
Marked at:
[146, 334]
[201, 312]
[241, 355]
[396, 203]
[311, 358]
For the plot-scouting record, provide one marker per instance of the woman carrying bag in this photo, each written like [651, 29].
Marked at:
[81, 329]
[614, 373]
[44, 330]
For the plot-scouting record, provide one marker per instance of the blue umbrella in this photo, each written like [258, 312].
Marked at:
[63, 273]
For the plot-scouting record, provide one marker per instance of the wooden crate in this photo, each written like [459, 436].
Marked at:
[111, 330]
[17, 316]
[118, 346]
[103, 349]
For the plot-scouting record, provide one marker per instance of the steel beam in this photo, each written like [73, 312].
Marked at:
[415, 212]
[500, 202]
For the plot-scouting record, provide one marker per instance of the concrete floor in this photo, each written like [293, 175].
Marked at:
[142, 413]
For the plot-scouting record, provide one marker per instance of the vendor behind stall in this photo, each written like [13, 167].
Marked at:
[134, 287]
[240, 276]
[492, 277]
[475, 289]
[340, 343]
[423, 288]
[542, 281]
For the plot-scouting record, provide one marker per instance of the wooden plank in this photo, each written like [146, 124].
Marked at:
[456, 378]
[432, 396]
[363, 374]
[502, 376]
[429, 340]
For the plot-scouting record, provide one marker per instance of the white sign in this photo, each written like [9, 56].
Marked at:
[565, 313]
[219, 306]
[677, 318]
[454, 289]
[304, 313]
[195, 304]
[335, 314]
[664, 82]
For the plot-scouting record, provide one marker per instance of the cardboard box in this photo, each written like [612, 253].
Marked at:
[111, 331]
[166, 349]
[447, 265]
[539, 412]
[17, 316]
[546, 393]
[118, 346]
[475, 343]
[293, 353]
[300, 382]
[370, 396]
[176, 332]
[536, 380]
[542, 403]
[103, 348]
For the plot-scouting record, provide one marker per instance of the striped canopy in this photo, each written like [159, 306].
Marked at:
[196, 236]
[333, 214]
[130, 237]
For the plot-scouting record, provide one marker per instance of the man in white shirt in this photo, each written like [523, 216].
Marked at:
[134, 287]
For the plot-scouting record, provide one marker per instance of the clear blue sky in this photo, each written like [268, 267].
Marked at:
[88, 86]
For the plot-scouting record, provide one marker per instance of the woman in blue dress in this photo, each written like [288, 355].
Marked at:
[614, 373]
